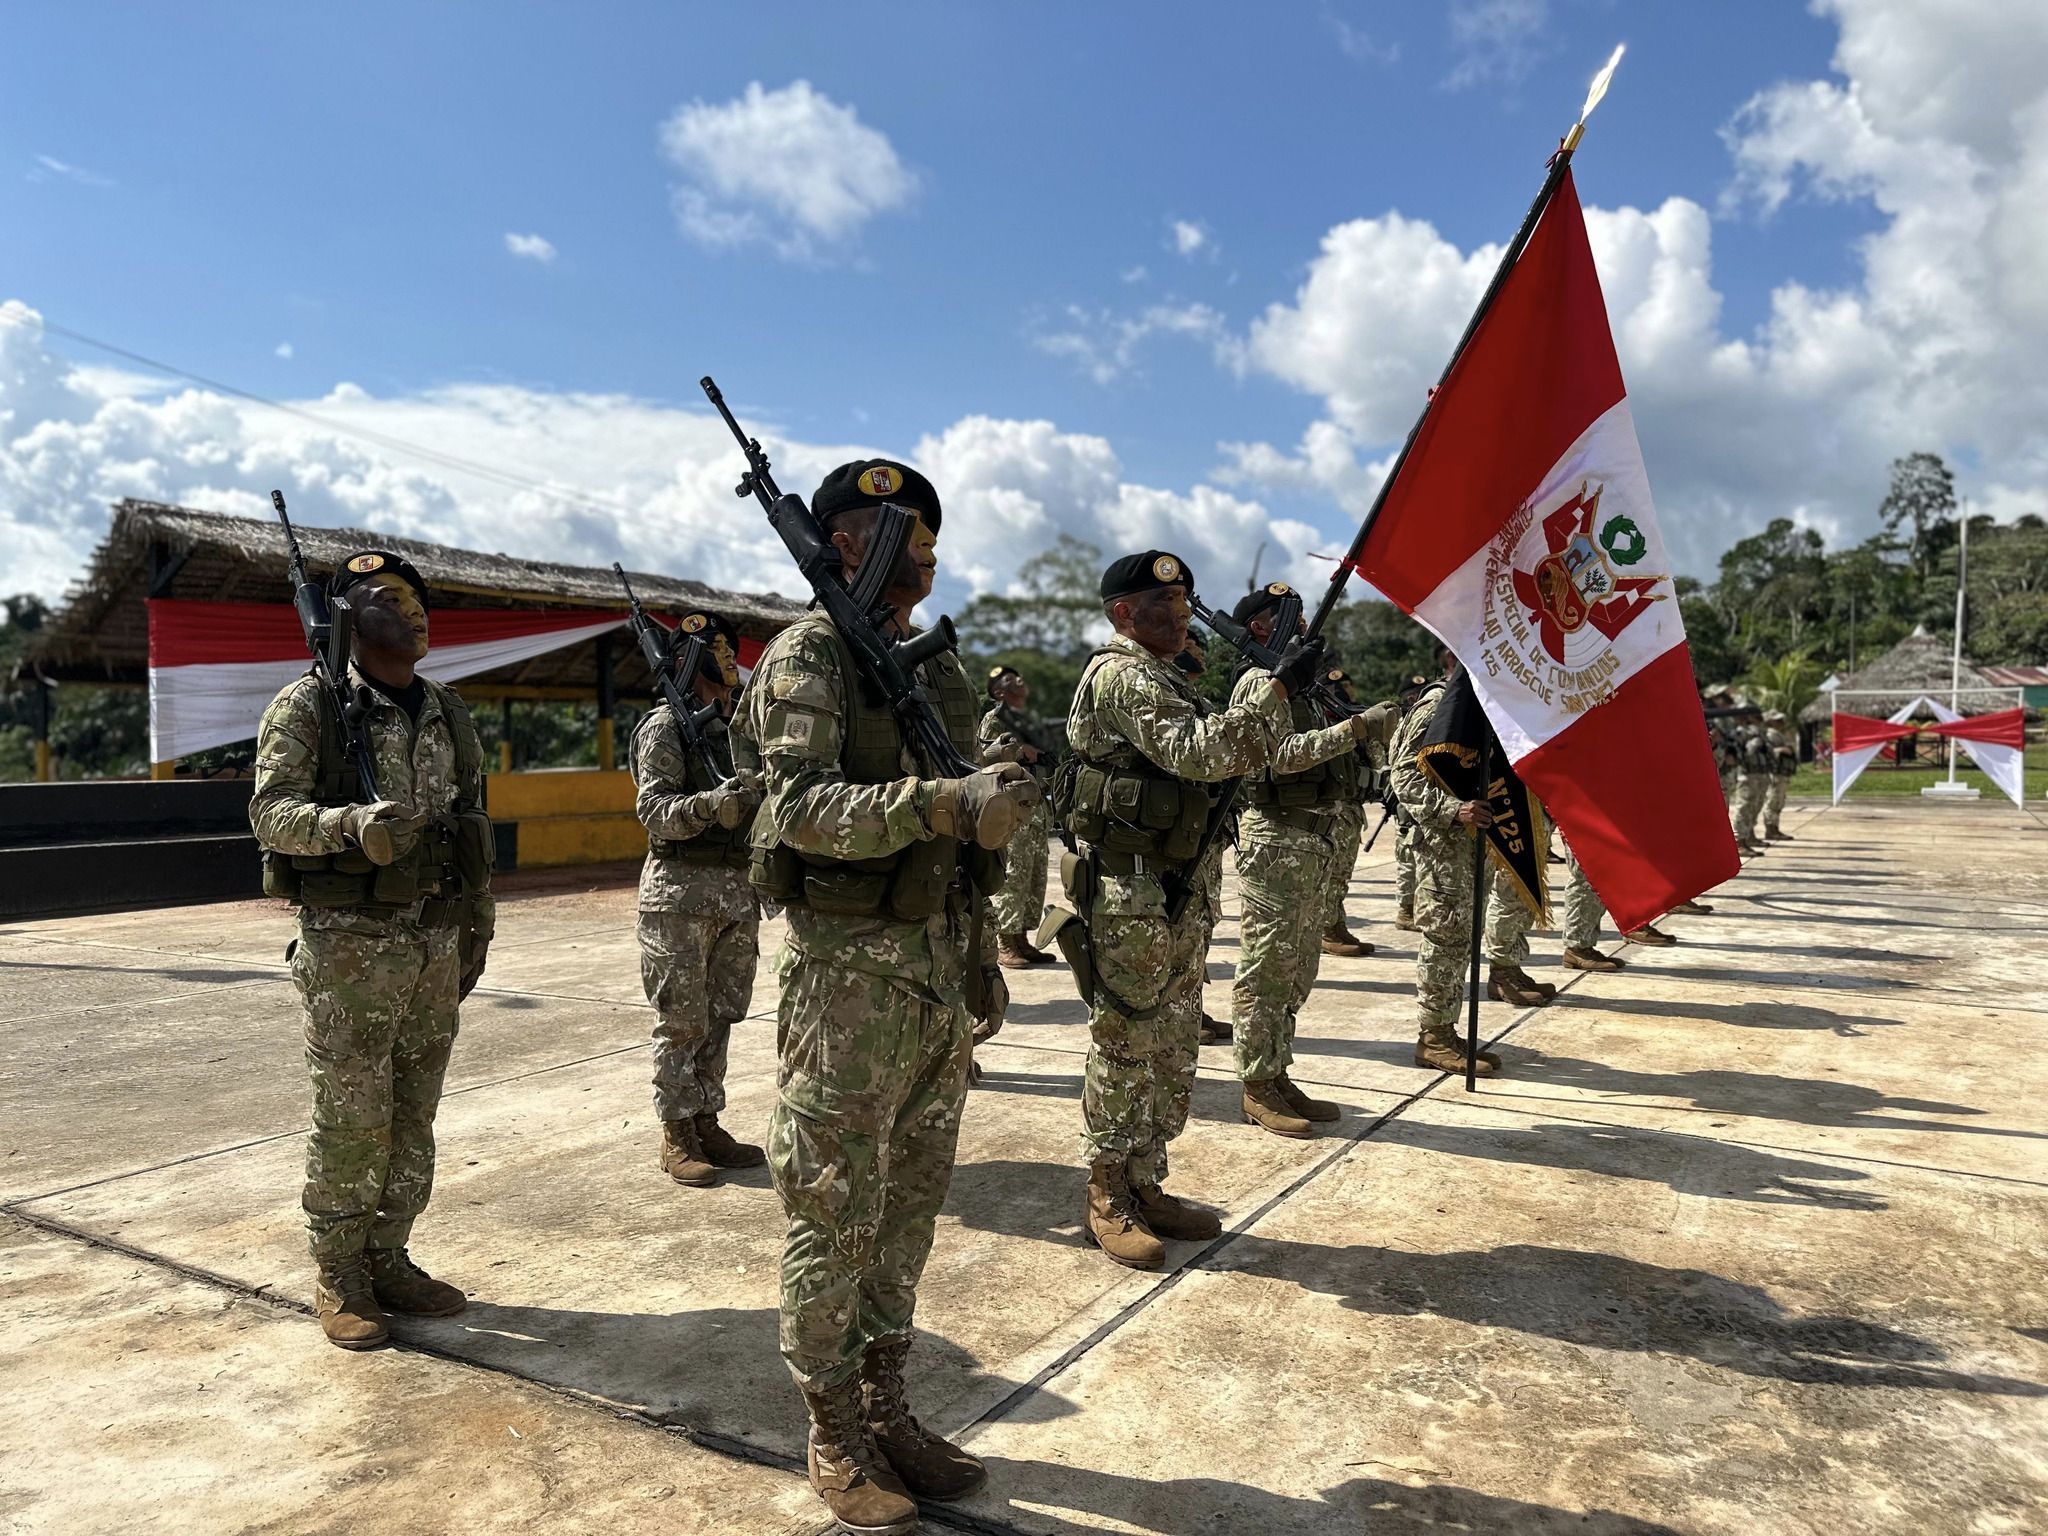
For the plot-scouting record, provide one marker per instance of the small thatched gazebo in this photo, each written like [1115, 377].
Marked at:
[1920, 664]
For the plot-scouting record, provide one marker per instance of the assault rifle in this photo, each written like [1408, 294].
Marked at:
[1265, 654]
[329, 622]
[856, 608]
[691, 720]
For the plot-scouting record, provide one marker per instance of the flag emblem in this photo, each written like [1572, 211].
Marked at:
[878, 481]
[362, 565]
[1575, 582]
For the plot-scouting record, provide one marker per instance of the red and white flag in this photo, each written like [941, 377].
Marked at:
[1520, 530]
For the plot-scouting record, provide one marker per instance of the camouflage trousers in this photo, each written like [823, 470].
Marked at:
[1444, 894]
[1283, 879]
[1404, 865]
[1774, 802]
[860, 1146]
[1020, 904]
[1583, 908]
[1141, 1069]
[699, 974]
[1749, 800]
[380, 1022]
[1728, 788]
[1508, 921]
[1344, 843]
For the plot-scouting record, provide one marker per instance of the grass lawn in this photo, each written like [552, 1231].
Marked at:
[1882, 778]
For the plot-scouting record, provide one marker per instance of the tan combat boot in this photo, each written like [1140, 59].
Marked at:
[721, 1150]
[1213, 1031]
[403, 1287]
[1303, 1105]
[346, 1305]
[1693, 909]
[846, 1467]
[1444, 1050]
[682, 1155]
[929, 1467]
[1404, 919]
[1014, 952]
[1584, 958]
[1170, 1216]
[1777, 835]
[1264, 1105]
[1654, 937]
[1110, 1220]
[1338, 939]
[1512, 984]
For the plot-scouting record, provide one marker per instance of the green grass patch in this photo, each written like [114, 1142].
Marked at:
[1883, 778]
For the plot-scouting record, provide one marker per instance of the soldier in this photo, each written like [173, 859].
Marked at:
[1784, 763]
[395, 915]
[1508, 924]
[700, 921]
[1752, 778]
[866, 849]
[1284, 848]
[1582, 913]
[1020, 904]
[1191, 663]
[1404, 824]
[1444, 890]
[1137, 797]
[1338, 939]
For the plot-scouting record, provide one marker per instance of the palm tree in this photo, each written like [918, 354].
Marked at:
[1789, 683]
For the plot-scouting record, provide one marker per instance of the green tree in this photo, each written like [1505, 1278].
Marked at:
[1046, 627]
[1923, 498]
[1789, 683]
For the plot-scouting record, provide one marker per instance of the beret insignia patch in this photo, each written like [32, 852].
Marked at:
[882, 480]
[1336, 674]
[362, 565]
[695, 623]
[1166, 568]
[1279, 589]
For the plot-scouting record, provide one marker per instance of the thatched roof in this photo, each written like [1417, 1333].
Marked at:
[101, 631]
[1919, 664]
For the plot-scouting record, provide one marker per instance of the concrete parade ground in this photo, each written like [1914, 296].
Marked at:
[1752, 1237]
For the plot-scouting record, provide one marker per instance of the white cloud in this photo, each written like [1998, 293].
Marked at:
[1136, 274]
[1496, 42]
[1357, 43]
[50, 168]
[1935, 346]
[790, 168]
[530, 248]
[1105, 346]
[284, 350]
[1186, 238]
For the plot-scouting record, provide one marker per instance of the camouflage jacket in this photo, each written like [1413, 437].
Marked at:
[665, 791]
[1784, 753]
[1293, 752]
[415, 767]
[1429, 805]
[1131, 705]
[795, 712]
[1001, 721]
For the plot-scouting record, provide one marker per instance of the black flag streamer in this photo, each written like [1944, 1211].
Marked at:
[1460, 752]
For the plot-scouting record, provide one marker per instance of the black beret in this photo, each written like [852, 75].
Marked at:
[1252, 604]
[874, 483]
[364, 564]
[997, 674]
[1145, 571]
[700, 622]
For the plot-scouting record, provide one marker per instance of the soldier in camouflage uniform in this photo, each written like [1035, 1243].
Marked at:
[1284, 849]
[1784, 763]
[1191, 663]
[700, 921]
[1444, 890]
[1752, 779]
[1137, 795]
[1404, 824]
[395, 915]
[871, 856]
[1020, 904]
[1349, 836]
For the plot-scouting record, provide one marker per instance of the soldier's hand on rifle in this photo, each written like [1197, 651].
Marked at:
[728, 805]
[385, 830]
[1299, 664]
[986, 806]
[1362, 728]
[998, 993]
[1475, 813]
[1007, 748]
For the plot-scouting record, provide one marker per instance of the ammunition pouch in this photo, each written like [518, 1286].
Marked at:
[907, 886]
[453, 858]
[1067, 930]
[1134, 811]
[714, 845]
[1320, 820]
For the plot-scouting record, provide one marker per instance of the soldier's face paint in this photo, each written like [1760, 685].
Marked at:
[921, 555]
[1159, 620]
[389, 616]
[725, 663]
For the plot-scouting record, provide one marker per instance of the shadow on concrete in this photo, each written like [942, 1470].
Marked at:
[1039, 1085]
[1805, 1101]
[1703, 939]
[1743, 1015]
[169, 973]
[1689, 1165]
[1181, 1506]
[1346, 984]
[1602, 1301]
[1061, 1010]
[1760, 980]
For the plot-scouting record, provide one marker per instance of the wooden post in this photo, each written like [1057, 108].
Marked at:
[607, 704]
[39, 704]
[166, 770]
[505, 738]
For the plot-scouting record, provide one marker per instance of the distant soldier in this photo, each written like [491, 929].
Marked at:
[1020, 904]
[1752, 780]
[1404, 824]
[1284, 848]
[863, 845]
[1445, 892]
[1784, 763]
[1147, 750]
[700, 921]
[1371, 773]
[1191, 663]
[395, 915]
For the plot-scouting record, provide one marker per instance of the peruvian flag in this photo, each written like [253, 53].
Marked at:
[1519, 529]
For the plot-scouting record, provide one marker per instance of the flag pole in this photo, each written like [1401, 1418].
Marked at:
[1560, 163]
[1478, 925]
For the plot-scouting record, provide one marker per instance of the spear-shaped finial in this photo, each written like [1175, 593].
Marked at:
[1594, 92]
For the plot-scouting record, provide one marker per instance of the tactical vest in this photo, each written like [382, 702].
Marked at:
[915, 882]
[452, 858]
[1319, 789]
[715, 844]
[1131, 812]
[1013, 725]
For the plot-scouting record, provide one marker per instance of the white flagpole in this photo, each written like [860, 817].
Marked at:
[1955, 676]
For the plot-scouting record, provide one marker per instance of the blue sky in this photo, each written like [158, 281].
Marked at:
[216, 185]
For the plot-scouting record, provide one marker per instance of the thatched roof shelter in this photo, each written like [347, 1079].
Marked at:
[1919, 664]
[100, 634]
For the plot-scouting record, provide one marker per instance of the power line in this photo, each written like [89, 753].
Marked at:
[507, 479]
